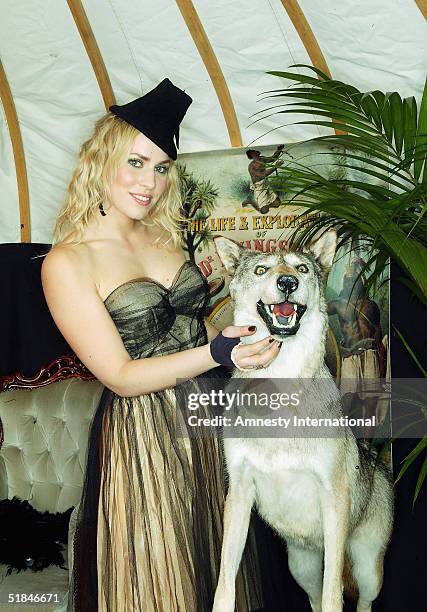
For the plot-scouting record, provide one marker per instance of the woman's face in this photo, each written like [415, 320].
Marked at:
[141, 180]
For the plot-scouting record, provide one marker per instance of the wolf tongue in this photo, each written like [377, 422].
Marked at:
[285, 309]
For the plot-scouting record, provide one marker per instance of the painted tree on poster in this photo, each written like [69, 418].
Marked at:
[198, 202]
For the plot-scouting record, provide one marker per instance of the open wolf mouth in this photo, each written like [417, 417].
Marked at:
[283, 318]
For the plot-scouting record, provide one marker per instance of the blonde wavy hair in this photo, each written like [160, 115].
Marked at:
[99, 160]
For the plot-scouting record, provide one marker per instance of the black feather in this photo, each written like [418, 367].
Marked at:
[30, 539]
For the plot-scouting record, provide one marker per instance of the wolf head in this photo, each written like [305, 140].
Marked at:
[284, 289]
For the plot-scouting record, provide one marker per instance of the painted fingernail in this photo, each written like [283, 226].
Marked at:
[271, 340]
[252, 328]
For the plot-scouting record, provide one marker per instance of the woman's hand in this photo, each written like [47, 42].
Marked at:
[252, 355]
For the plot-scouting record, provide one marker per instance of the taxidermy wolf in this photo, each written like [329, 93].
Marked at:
[328, 497]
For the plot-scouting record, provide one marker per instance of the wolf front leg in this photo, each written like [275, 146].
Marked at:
[335, 501]
[237, 514]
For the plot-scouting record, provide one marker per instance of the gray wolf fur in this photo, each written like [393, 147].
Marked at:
[327, 497]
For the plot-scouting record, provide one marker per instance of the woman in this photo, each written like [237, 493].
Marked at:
[119, 288]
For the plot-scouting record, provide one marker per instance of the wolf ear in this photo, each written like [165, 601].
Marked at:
[324, 249]
[228, 251]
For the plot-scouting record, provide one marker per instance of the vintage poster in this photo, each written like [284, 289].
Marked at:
[228, 193]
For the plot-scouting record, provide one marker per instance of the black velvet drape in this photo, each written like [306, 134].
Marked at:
[29, 338]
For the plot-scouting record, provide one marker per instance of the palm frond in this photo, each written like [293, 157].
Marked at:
[378, 190]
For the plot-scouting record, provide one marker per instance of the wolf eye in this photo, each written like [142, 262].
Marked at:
[302, 268]
[260, 270]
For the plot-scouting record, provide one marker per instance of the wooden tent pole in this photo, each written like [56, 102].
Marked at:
[18, 154]
[211, 63]
[308, 39]
[422, 5]
[93, 51]
[306, 35]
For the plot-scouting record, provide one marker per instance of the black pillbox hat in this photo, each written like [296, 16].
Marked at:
[158, 115]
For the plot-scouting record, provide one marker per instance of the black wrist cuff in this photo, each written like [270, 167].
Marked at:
[221, 348]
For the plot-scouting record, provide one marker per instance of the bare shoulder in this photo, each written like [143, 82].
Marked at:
[80, 314]
[68, 263]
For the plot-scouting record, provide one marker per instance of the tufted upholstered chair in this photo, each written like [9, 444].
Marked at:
[43, 459]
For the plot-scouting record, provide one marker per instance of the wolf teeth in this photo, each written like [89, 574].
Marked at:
[290, 320]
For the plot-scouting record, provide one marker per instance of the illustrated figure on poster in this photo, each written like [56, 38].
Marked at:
[259, 169]
[362, 346]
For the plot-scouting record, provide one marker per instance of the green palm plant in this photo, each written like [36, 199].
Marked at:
[381, 137]
[378, 194]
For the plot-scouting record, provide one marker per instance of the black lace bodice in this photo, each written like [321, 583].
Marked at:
[156, 320]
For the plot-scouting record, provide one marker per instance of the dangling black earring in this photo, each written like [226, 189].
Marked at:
[101, 210]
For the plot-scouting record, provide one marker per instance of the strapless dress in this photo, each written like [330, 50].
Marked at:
[149, 527]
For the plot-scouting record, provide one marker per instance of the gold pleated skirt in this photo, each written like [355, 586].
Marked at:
[160, 514]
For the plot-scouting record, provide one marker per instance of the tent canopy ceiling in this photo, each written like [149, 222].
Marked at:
[63, 62]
